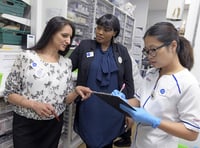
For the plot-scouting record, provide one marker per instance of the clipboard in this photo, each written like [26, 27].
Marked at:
[114, 101]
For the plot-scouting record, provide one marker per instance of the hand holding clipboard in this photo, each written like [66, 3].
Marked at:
[138, 114]
[114, 101]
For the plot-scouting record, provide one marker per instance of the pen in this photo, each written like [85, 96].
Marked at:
[122, 88]
[56, 116]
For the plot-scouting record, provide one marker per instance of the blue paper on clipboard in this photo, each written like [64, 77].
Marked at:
[114, 101]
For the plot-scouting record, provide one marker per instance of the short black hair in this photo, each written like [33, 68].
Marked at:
[109, 21]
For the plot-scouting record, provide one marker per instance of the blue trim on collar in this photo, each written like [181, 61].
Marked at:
[179, 90]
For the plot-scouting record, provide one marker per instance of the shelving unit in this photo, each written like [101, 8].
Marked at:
[84, 14]
[21, 20]
[103, 6]
[81, 13]
[25, 19]
[127, 22]
[8, 54]
[122, 17]
[10, 48]
[15, 17]
[72, 140]
[7, 50]
[5, 125]
[138, 45]
[128, 32]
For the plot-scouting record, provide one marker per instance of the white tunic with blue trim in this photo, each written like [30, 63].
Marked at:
[174, 98]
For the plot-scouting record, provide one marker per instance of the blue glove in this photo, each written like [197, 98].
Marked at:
[119, 94]
[142, 116]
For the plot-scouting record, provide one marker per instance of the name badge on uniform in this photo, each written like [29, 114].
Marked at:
[90, 54]
[39, 72]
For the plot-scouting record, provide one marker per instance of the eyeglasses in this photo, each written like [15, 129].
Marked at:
[152, 52]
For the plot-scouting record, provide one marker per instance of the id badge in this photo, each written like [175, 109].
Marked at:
[39, 71]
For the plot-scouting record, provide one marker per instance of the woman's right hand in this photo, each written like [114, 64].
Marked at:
[42, 109]
[84, 92]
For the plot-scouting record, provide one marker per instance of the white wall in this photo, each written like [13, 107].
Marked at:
[196, 68]
[155, 16]
[141, 12]
[42, 11]
[192, 33]
[192, 29]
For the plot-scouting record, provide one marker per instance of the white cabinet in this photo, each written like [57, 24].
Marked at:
[127, 22]
[69, 138]
[81, 12]
[13, 24]
[128, 32]
[5, 125]
[122, 17]
[138, 45]
[103, 7]
[85, 13]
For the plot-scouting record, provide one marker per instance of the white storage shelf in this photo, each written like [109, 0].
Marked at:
[17, 19]
[85, 14]
[103, 7]
[79, 12]
[21, 20]
[4, 107]
[85, 28]
[5, 124]
[72, 140]
[6, 116]
[6, 142]
[6, 119]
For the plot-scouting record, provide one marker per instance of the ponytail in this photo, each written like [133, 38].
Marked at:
[185, 53]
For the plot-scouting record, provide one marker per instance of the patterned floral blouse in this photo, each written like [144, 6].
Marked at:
[35, 79]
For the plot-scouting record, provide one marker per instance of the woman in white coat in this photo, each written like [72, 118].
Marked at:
[168, 103]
